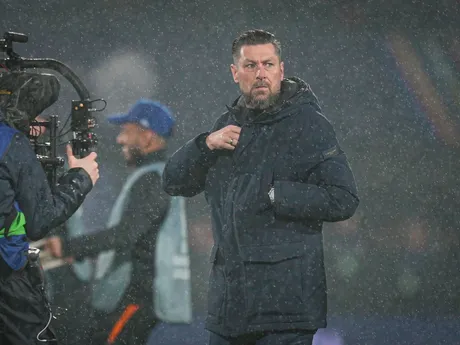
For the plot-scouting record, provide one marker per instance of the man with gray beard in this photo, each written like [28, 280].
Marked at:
[272, 171]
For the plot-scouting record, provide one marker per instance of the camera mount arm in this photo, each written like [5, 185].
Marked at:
[82, 122]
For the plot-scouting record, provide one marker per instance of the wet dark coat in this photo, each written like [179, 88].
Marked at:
[23, 179]
[268, 267]
[24, 310]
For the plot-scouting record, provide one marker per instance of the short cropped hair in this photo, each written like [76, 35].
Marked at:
[252, 38]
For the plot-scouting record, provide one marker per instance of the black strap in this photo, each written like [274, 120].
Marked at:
[9, 219]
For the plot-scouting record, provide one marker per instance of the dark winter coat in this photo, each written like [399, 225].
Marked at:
[268, 267]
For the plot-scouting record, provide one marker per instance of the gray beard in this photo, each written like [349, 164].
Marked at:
[259, 103]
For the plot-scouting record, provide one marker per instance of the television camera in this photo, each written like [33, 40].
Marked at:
[82, 122]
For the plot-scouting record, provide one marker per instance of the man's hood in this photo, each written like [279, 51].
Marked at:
[294, 92]
[24, 95]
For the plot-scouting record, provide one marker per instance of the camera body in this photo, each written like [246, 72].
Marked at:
[82, 121]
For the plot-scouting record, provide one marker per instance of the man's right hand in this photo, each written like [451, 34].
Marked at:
[225, 138]
[88, 163]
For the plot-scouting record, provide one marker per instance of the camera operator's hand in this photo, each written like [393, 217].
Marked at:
[88, 163]
[225, 138]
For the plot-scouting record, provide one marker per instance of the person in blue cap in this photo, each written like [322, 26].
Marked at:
[122, 297]
[144, 130]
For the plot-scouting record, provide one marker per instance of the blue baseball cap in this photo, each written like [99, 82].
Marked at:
[148, 114]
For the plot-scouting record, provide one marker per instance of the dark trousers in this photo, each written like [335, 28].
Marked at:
[24, 310]
[131, 323]
[294, 337]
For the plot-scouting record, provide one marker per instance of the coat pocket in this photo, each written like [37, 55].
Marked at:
[273, 281]
[249, 202]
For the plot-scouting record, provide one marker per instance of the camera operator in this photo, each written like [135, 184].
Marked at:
[29, 207]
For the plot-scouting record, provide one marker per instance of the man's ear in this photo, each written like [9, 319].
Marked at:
[234, 70]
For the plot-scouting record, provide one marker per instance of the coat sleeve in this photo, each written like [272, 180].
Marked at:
[186, 170]
[43, 208]
[147, 206]
[329, 192]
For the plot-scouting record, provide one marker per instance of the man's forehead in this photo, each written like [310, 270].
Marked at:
[258, 52]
